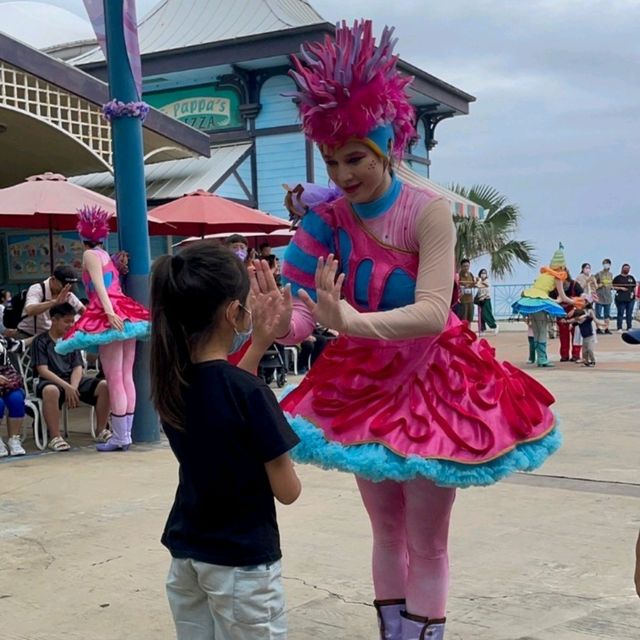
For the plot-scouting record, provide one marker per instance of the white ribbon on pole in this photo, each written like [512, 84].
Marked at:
[95, 9]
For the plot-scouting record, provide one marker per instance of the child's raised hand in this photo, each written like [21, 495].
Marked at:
[265, 317]
[278, 301]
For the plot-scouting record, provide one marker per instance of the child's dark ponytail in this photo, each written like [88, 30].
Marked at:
[187, 291]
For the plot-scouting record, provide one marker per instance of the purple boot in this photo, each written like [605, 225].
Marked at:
[129, 417]
[419, 628]
[118, 441]
[389, 618]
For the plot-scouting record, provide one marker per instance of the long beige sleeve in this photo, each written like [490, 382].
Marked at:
[427, 316]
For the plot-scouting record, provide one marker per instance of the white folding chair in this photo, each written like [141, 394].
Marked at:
[33, 404]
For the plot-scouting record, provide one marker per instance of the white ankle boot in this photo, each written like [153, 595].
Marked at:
[420, 628]
[389, 621]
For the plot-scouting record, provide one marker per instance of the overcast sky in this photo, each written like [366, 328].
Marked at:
[556, 123]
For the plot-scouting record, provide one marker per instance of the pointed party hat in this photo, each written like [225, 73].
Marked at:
[558, 260]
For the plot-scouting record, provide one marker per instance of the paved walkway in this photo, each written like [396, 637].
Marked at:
[547, 556]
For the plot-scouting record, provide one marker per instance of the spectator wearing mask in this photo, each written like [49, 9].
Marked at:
[604, 293]
[239, 245]
[483, 300]
[466, 282]
[42, 296]
[625, 286]
[588, 282]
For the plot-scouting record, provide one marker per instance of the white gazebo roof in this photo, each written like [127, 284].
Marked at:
[178, 24]
[42, 25]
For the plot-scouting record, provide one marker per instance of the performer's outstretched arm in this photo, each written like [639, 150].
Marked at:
[314, 239]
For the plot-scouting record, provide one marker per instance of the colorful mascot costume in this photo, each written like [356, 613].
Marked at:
[406, 398]
[112, 322]
[536, 303]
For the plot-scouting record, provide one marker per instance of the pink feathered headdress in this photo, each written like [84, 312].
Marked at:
[93, 223]
[350, 86]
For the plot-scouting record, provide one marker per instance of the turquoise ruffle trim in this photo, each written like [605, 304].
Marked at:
[375, 462]
[528, 306]
[139, 330]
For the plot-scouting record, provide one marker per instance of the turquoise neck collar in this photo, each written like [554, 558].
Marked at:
[383, 203]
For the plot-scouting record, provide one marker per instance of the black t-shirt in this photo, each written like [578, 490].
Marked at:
[224, 511]
[629, 282]
[43, 352]
[586, 328]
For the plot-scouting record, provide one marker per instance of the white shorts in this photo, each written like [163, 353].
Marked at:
[210, 601]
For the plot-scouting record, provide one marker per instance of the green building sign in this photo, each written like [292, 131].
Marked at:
[204, 107]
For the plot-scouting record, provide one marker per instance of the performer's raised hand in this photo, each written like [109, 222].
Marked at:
[279, 300]
[328, 310]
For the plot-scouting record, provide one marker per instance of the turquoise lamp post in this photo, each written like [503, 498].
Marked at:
[128, 163]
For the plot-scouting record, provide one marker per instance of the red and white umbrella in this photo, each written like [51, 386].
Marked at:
[202, 213]
[279, 238]
[50, 202]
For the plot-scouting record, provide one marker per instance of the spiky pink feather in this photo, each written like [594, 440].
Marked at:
[93, 223]
[349, 86]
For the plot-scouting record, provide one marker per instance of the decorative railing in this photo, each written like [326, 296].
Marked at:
[70, 113]
[503, 296]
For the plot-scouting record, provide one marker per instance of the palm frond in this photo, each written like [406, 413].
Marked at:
[503, 260]
[493, 235]
[504, 216]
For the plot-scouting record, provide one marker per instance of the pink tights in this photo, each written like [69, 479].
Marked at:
[410, 523]
[117, 360]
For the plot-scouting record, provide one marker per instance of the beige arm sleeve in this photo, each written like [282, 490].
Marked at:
[427, 316]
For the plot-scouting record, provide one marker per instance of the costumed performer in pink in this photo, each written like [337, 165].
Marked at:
[112, 321]
[407, 397]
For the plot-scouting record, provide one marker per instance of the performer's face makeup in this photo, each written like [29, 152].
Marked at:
[358, 171]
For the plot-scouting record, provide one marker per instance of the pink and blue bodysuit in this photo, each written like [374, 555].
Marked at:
[439, 407]
[93, 328]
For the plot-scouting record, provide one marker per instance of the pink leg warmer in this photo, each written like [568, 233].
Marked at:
[111, 358]
[384, 502]
[410, 524]
[428, 510]
[129, 357]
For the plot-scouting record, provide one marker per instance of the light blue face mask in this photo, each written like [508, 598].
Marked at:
[240, 338]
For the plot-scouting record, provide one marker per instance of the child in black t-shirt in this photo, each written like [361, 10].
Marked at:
[586, 319]
[231, 440]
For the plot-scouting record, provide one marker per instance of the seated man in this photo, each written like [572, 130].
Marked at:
[61, 379]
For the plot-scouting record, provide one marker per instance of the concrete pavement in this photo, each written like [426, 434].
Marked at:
[546, 556]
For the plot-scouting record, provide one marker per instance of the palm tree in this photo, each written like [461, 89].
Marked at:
[492, 235]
